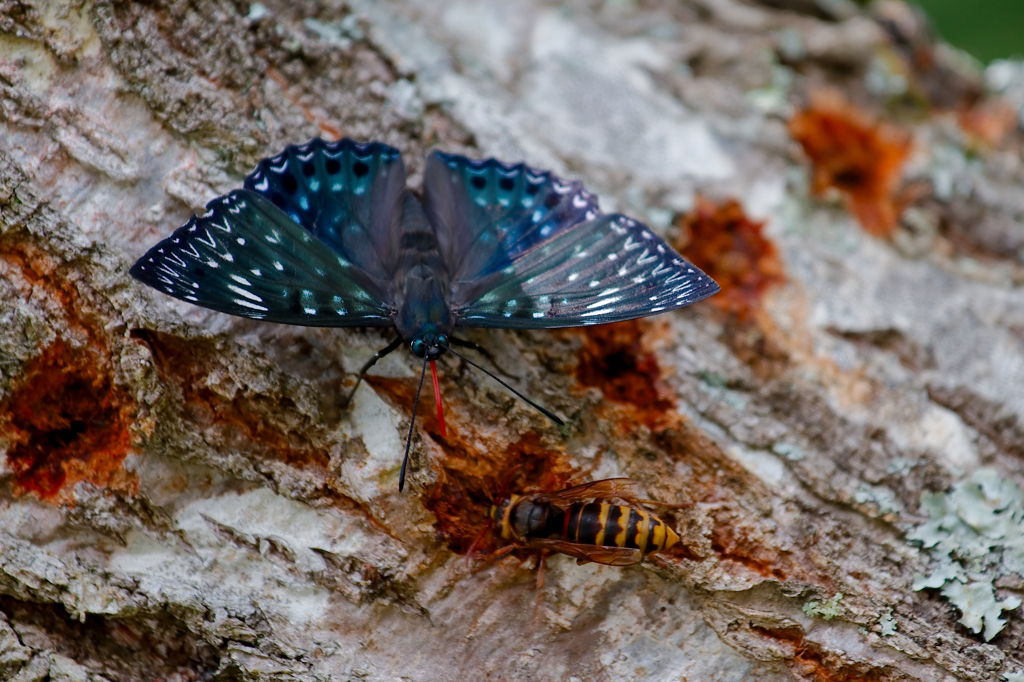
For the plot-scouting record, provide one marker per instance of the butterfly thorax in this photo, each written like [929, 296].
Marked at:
[423, 307]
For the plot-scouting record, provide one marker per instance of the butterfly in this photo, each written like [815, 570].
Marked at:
[327, 234]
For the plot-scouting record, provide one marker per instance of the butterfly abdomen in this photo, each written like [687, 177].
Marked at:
[422, 277]
[613, 525]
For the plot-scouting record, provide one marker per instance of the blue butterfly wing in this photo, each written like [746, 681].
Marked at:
[347, 194]
[487, 213]
[247, 257]
[608, 269]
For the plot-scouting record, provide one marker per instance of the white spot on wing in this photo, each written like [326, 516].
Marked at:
[248, 294]
[246, 304]
[604, 302]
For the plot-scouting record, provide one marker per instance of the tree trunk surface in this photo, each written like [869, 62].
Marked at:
[185, 495]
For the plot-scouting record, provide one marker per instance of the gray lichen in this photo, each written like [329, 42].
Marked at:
[827, 609]
[887, 625]
[975, 534]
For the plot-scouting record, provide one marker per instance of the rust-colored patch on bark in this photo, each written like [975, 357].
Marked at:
[809, 661]
[615, 360]
[65, 417]
[243, 418]
[857, 154]
[67, 423]
[722, 241]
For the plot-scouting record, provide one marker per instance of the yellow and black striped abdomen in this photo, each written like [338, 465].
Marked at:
[613, 525]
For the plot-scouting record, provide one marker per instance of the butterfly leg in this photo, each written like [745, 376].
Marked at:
[462, 343]
[391, 347]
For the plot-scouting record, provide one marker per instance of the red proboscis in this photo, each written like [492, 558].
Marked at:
[437, 399]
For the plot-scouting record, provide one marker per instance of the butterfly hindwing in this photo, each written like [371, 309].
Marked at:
[246, 257]
[347, 194]
[487, 213]
[608, 269]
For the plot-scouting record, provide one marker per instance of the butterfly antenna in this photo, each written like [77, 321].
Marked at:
[547, 413]
[412, 424]
[391, 347]
[437, 399]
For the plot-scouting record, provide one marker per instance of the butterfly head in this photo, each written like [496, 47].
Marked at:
[429, 346]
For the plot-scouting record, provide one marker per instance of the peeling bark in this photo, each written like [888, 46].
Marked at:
[184, 495]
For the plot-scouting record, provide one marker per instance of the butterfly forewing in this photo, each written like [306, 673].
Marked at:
[246, 257]
[487, 213]
[345, 193]
[608, 269]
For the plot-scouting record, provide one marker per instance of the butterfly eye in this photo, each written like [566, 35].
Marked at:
[419, 349]
[442, 341]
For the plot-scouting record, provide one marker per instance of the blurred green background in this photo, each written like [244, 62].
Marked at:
[988, 29]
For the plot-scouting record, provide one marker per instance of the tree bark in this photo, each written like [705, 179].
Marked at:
[185, 495]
